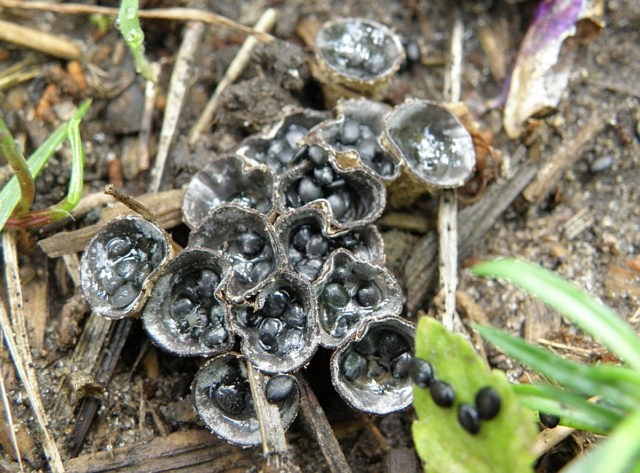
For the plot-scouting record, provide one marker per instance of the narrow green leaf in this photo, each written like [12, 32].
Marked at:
[617, 385]
[574, 410]
[503, 444]
[10, 194]
[590, 315]
[620, 453]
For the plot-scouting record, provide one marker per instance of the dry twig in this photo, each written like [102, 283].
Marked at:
[16, 338]
[264, 24]
[180, 78]
[38, 40]
[176, 14]
[448, 203]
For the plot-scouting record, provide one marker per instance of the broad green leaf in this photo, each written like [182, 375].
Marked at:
[503, 444]
[590, 315]
[574, 410]
[620, 453]
[618, 385]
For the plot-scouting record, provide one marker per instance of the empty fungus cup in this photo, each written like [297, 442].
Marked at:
[121, 263]
[228, 179]
[356, 57]
[184, 314]
[371, 371]
[223, 400]
[436, 150]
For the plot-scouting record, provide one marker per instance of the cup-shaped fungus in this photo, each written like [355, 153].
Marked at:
[120, 265]
[436, 149]
[184, 314]
[356, 56]
[228, 179]
[371, 372]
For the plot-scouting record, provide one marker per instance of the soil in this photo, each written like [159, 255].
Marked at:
[587, 229]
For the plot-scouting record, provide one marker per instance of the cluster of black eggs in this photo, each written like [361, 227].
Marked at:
[487, 400]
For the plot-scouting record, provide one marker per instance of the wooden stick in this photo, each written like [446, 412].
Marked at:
[473, 222]
[264, 24]
[448, 202]
[150, 94]
[180, 78]
[176, 14]
[38, 40]
[15, 335]
[274, 443]
[319, 425]
[9, 418]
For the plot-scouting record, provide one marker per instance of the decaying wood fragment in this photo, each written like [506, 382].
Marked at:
[165, 206]
[315, 417]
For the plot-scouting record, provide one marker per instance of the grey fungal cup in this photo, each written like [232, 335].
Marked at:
[354, 137]
[223, 400]
[184, 315]
[351, 292]
[351, 198]
[245, 239]
[279, 331]
[276, 147]
[304, 234]
[435, 147]
[371, 372]
[228, 179]
[358, 56]
[120, 264]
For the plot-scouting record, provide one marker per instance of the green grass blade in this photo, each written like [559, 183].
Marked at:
[129, 24]
[13, 155]
[618, 385]
[590, 315]
[619, 453]
[574, 410]
[10, 193]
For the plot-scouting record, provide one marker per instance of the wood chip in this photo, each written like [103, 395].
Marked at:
[166, 206]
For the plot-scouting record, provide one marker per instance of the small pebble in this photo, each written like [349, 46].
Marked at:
[124, 296]
[118, 247]
[400, 365]
[350, 132]
[601, 164]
